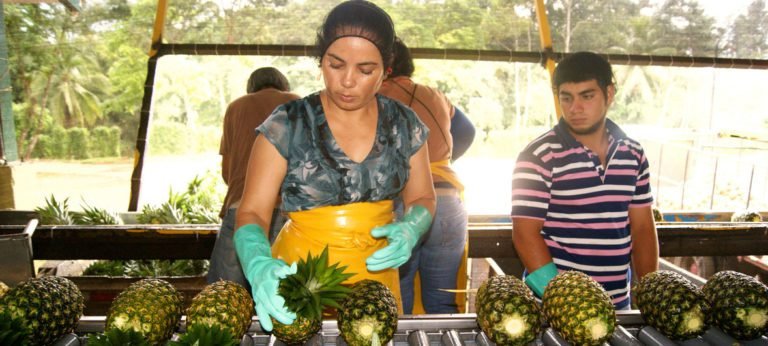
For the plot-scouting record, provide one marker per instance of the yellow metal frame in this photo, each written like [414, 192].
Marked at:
[157, 30]
[546, 46]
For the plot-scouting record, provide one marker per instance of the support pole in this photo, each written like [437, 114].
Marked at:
[546, 46]
[146, 105]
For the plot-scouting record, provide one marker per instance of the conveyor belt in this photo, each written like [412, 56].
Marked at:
[453, 330]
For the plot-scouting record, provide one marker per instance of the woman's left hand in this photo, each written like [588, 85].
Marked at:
[402, 236]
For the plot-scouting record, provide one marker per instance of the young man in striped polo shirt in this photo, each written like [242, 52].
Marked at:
[581, 198]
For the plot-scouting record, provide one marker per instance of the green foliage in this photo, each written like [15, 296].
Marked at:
[157, 268]
[79, 143]
[197, 205]
[105, 141]
[69, 71]
[105, 268]
[147, 268]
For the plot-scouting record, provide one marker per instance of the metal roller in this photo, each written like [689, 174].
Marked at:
[482, 340]
[651, 336]
[451, 338]
[553, 338]
[418, 338]
[622, 337]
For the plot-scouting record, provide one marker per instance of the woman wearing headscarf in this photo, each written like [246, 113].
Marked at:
[338, 157]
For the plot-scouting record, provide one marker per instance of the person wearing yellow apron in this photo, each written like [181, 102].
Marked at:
[337, 158]
[438, 259]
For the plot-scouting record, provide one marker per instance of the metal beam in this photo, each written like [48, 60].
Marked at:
[546, 46]
[8, 148]
[142, 137]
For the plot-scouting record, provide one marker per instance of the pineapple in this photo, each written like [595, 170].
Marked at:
[3, 289]
[55, 212]
[95, 216]
[118, 337]
[746, 216]
[368, 316]
[213, 335]
[579, 309]
[152, 307]
[314, 286]
[223, 304]
[507, 311]
[12, 330]
[658, 216]
[739, 304]
[672, 304]
[49, 307]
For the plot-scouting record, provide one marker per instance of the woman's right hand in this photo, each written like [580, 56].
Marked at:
[264, 274]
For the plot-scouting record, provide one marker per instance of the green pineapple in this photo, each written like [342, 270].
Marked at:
[151, 307]
[746, 216]
[55, 212]
[208, 335]
[739, 304]
[223, 304]
[118, 337]
[507, 311]
[672, 304]
[13, 331]
[658, 216]
[95, 216]
[368, 316]
[315, 285]
[579, 309]
[49, 307]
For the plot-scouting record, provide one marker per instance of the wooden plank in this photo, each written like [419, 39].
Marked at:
[675, 239]
[485, 240]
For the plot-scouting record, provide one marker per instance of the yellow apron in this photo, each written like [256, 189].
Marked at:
[347, 232]
[441, 169]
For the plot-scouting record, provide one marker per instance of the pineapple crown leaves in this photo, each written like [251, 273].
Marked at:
[95, 216]
[206, 335]
[118, 337]
[13, 330]
[55, 212]
[315, 285]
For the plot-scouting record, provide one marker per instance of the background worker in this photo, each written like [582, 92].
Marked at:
[338, 157]
[267, 88]
[581, 197]
[438, 258]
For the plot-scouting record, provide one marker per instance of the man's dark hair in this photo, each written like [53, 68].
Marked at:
[267, 77]
[582, 67]
[403, 64]
[358, 18]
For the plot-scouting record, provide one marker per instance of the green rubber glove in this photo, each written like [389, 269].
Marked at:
[263, 273]
[539, 278]
[402, 236]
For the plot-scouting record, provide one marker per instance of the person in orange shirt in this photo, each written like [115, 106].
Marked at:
[438, 258]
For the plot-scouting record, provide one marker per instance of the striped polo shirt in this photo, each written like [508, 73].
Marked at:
[585, 208]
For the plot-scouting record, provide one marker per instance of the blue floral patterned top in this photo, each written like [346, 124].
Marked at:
[320, 174]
